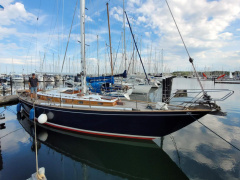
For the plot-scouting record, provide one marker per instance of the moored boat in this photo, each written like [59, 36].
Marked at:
[84, 112]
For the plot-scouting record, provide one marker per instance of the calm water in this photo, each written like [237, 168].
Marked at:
[193, 152]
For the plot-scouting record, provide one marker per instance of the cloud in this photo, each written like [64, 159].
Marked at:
[203, 25]
[148, 34]
[5, 32]
[226, 35]
[88, 19]
[14, 13]
[117, 13]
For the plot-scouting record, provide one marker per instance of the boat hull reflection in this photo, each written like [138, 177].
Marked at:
[138, 159]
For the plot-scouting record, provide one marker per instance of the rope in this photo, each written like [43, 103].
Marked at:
[3, 111]
[9, 109]
[178, 29]
[216, 134]
[219, 136]
[175, 145]
[190, 59]
[35, 138]
[10, 132]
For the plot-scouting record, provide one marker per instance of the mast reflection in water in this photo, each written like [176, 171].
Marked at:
[103, 158]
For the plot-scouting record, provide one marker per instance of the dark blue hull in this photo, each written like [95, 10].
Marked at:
[140, 125]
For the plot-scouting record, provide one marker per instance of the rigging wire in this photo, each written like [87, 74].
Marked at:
[117, 52]
[51, 32]
[136, 46]
[190, 59]
[132, 59]
[69, 36]
[34, 31]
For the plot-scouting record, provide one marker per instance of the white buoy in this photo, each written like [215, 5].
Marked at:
[42, 118]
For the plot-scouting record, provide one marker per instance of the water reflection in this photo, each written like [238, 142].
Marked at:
[111, 157]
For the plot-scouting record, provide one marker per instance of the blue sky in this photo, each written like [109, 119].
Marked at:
[210, 29]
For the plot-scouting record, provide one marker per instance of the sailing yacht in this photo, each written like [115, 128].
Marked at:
[84, 112]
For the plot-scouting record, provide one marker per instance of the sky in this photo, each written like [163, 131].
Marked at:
[34, 35]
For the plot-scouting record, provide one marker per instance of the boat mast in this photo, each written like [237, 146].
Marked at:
[97, 56]
[110, 40]
[162, 62]
[83, 59]
[124, 37]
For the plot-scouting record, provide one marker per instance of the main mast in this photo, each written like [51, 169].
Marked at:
[83, 58]
[125, 59]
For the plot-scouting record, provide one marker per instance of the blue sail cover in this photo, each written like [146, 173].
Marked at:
[99, 83]
[109, 79]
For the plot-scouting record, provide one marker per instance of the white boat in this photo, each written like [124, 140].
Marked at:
[120, 95]
[40, 77]
[139, 88]
[48, 78]
[72, 83]
[17, 78]
[139, 85]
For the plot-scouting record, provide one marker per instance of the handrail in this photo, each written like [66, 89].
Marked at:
[199, 97]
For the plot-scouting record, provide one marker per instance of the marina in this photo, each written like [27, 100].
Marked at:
[119, 90]
[186, 153]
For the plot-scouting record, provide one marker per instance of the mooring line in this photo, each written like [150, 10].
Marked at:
[3, 111]
[219, 136]
[216, 134]
[10, 132]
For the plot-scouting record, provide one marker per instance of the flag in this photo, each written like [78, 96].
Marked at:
[1, 8]
[204, 75]
[221, 76]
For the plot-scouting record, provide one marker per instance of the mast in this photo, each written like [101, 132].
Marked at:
[53, 62]
[110, 40]
[162, 62]
[124, 37]
[83, 59]
[97, 56]
[133, 58]
[105, 58]
[156, 67]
